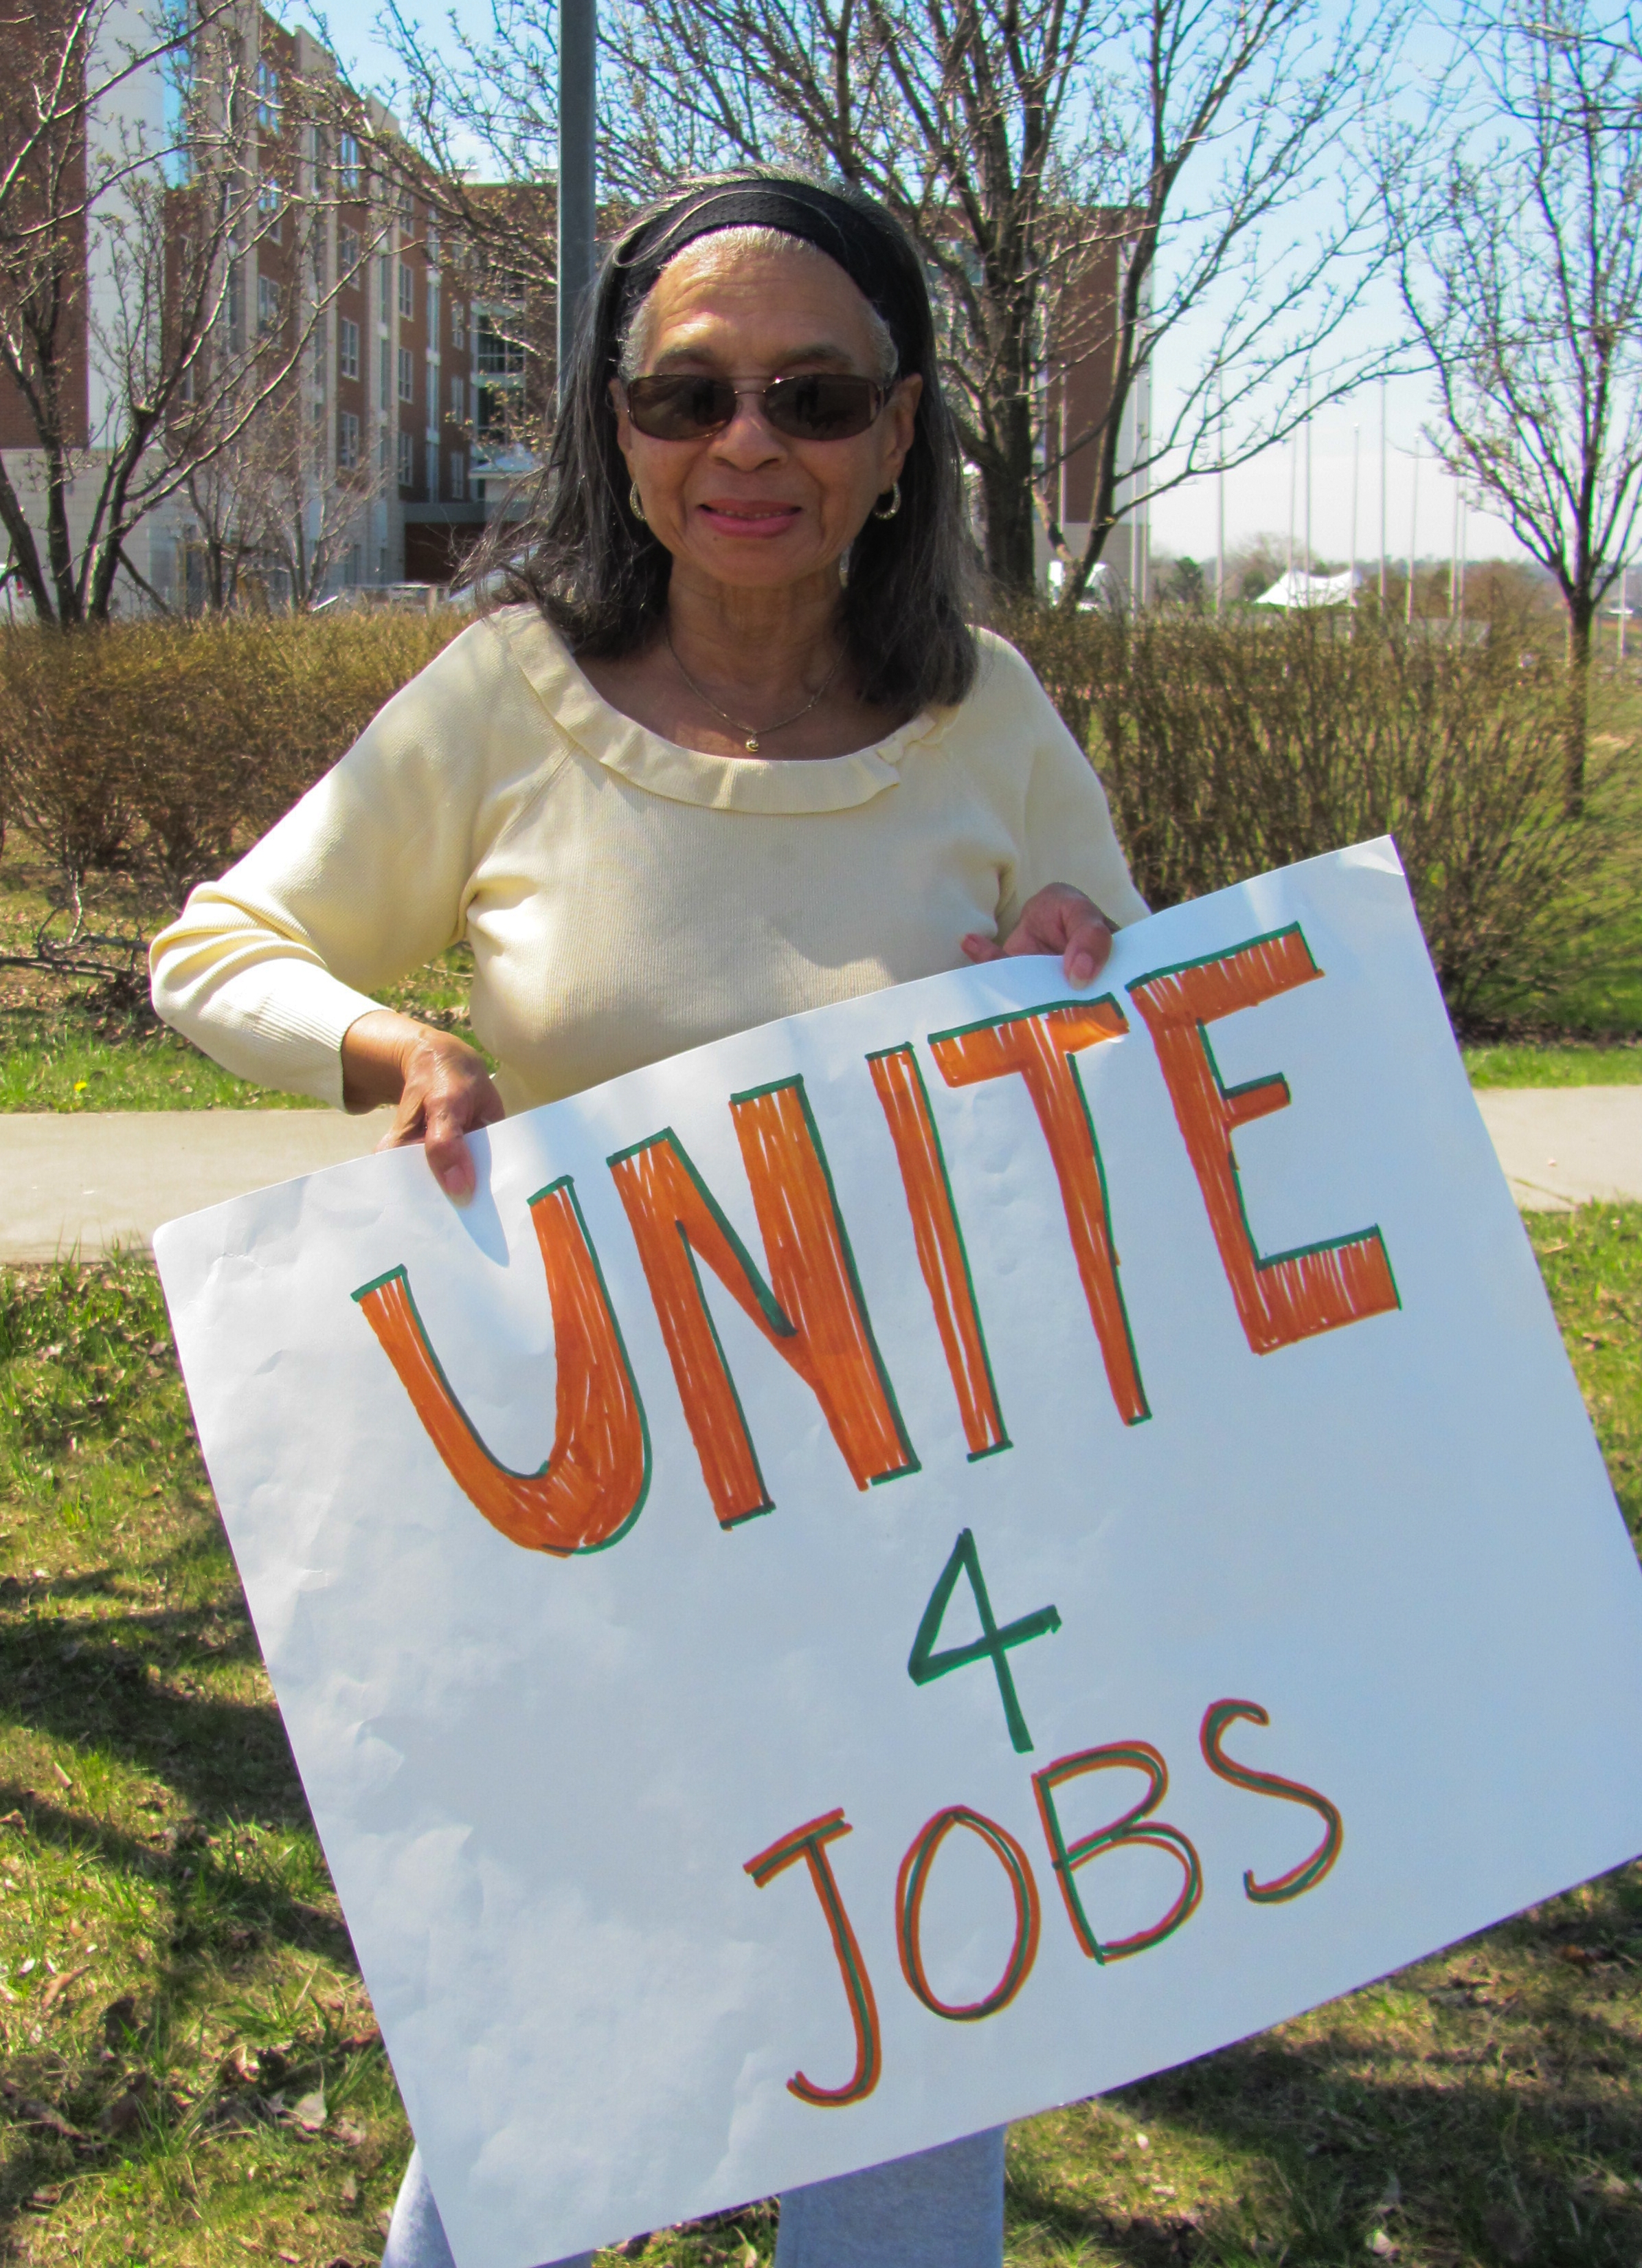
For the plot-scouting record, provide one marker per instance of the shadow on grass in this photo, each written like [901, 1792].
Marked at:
[1488, 2112]
[106, 1690]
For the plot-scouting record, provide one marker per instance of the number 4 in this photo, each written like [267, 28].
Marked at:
[925, 1665]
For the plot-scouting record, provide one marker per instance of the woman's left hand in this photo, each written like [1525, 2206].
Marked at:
[1056, 919]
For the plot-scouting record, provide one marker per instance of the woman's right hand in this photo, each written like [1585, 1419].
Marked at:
[438, 1085]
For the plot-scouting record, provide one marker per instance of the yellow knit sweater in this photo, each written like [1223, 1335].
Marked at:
[624, 897]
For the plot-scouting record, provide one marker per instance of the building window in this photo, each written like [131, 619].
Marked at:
[407, 459]
[459, 401]
[350, 566]
[347, 441]
[433, 315]
[459, 328]
[459, 477]
[266, 304]
[496, 356]
[407, 375]
[385, 390]
[319, 363]
[348, 163]
[381, 563]
[407, 292]
[267, 96]
[387, 266]
[347, 253]
[270, 200]
[348, 350]
[236, 304]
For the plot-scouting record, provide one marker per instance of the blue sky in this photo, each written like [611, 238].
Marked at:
[1256, 498]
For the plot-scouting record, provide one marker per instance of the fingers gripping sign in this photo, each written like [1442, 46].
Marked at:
[1055, 919]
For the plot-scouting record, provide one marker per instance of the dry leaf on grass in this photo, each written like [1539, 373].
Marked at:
[60, 1985]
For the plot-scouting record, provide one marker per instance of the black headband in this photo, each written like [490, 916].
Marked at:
[875, 261]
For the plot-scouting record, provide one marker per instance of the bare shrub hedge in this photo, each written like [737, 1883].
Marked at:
[1229, 749]
[138, 758]
[163, 749]
[154, 752]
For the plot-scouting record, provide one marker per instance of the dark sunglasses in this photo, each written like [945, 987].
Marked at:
[818, 406]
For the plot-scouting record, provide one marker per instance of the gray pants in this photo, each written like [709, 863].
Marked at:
[941, 2209]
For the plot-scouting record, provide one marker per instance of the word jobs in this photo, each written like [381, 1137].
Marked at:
[592, 1485]
[1137, 1827]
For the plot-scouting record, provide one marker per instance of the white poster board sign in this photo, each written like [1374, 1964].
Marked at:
[921, 1561]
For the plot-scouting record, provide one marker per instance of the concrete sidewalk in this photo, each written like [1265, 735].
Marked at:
[1561, 1146]
[84, 1181]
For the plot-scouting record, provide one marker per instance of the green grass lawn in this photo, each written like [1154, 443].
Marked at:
[190, 2073]
[63, 1048]
[62, 1061]
[68, 1058]
[1524, 1063]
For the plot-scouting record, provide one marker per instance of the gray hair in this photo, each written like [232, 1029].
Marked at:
[634, 343]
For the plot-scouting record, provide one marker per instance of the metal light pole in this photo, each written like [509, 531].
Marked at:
[577, 43]
[1356, 451]
[1294, 477]
[1309, 562]
[1383, 540]
[1466, 531]
[1220, 524]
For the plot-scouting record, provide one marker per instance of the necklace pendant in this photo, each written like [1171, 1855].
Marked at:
[752, 745]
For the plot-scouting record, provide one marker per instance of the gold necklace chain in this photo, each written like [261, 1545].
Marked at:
[752, 738]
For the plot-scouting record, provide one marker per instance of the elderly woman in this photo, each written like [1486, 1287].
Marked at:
[731, 751]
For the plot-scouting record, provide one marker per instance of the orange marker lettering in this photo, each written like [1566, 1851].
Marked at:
[1311, 1870]
[910, 1885]
[591, 1488]
[812, 1312]
[1134, 1826]
[939, 1242]
[1038, 1043]
[1291, 1295]
[809, 1843]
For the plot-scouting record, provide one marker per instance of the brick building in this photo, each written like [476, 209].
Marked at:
[1078, 395]
[393, 437]
[394, 380]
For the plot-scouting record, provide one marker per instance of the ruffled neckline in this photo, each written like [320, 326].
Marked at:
[662, 766]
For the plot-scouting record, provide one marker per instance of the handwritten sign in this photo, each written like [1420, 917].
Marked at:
[921, 1561]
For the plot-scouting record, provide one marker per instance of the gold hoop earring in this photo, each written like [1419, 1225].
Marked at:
[636, 503]
[888, 510]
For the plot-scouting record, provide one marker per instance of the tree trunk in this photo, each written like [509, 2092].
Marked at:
[1578, 704]
[1006, 499]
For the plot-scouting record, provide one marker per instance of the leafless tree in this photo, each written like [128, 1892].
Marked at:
[299, 516]
[1023, 142]
[125, 333]
[1517, 219]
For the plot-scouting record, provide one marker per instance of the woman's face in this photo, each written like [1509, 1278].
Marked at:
[749, 506]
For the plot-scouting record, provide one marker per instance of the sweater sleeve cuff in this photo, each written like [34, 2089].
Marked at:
[280, 1024]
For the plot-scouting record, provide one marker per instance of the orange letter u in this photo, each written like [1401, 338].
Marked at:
[591, 1488]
